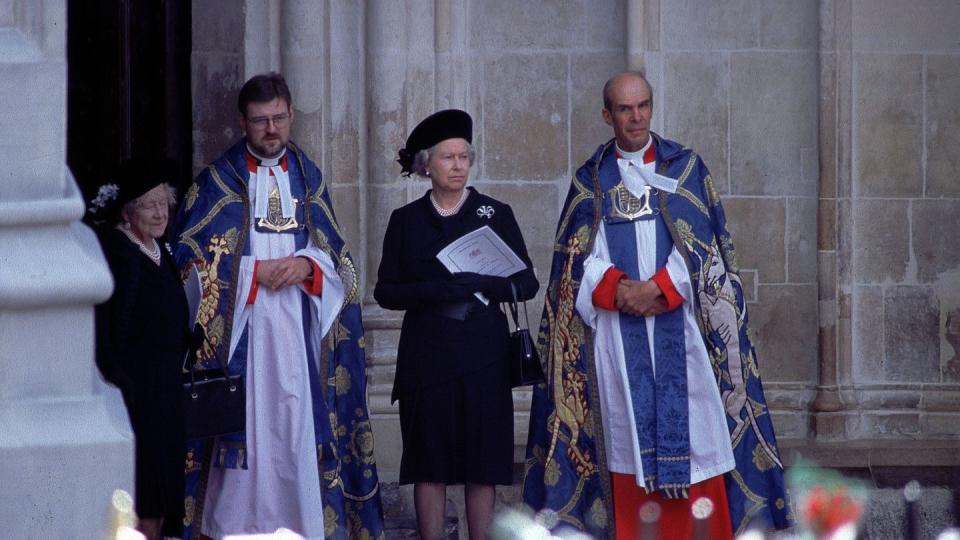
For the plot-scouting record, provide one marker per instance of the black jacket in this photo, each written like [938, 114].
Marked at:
[435, 346]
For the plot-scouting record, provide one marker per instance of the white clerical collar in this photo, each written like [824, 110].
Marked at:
[635, 173]
[265, 167]
[265, 161]
[636, 157]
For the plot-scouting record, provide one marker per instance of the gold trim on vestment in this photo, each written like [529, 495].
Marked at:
[625, 205]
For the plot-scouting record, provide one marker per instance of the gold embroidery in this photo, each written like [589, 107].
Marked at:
[361, 442]
[598, 513]
[229, 197]
[624, 204]
[275, 221]
[758, 501]
[687, 169]
[567, 385]
[686, 194]
[329, 521]
[191, 197]
[551, 473]
[209, 316]
[189, 506]
[342, 380]
[712, 197]
[761, 460]
[582, 194]
[348, 275]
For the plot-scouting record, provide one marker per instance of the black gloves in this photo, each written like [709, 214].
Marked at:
[494, 288]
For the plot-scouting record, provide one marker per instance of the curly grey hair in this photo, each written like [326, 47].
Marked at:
[422, 158]
[132, 205]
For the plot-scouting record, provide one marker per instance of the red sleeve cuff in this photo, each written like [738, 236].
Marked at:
[605, 293]
[314, 285]
[255, 286]
[670, 294]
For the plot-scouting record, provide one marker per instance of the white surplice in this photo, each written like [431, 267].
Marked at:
[711, 452]
[281, 485]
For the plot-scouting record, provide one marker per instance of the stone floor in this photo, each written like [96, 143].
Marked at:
[884, 466]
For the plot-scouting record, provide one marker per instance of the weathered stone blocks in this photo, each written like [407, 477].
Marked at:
[801, 240]
[758, 230]
[693, 24]
[773, 125]
[525, 127]
[695, 94]
[218, 26]
[867, 330]
[788, 24]
[936, 226]
[881, 245]
[784, 324]
[588, 73]
[507, 24]
[895, 25]
[217, 79]
[888, 115]
[943, 126]
[910, 334]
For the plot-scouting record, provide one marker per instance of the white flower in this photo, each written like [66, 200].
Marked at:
[105, 194]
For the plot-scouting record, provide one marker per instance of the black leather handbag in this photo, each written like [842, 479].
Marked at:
[214, 402]
[525, 366]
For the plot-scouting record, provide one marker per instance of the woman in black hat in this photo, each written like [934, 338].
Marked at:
[452, 381]
[142, 334]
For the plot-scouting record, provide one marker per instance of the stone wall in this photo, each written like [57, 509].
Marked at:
[737, 82]
[829, 127]
[890, 181]
[61, 451]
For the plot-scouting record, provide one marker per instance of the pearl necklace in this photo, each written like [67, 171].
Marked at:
[447, 212]
[154, 253]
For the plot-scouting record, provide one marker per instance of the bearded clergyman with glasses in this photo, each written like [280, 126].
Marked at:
[280, 308]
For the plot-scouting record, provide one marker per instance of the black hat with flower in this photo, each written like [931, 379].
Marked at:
[439, 126]
[135, 177]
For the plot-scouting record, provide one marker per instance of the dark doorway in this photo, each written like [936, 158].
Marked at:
[128, 86]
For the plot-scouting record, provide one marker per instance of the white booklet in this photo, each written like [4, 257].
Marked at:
[483, 252]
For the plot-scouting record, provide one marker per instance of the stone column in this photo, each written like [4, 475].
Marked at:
[642, 32]
[261, 36]
[833, 294]
[61, 451]
[303, 58]
[400, 89]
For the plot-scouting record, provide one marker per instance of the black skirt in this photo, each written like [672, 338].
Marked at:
[460, 431]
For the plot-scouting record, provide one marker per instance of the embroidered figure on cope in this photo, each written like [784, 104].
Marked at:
[628, 206]
[275, 221]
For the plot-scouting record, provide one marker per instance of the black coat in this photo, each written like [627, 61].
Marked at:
[435, 347]
[142, 337]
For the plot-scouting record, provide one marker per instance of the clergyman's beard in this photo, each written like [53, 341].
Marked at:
[262, 151]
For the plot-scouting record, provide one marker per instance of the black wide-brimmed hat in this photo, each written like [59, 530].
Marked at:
[135, 177]
[439, 126]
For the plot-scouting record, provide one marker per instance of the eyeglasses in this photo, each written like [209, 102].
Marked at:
[280, 121]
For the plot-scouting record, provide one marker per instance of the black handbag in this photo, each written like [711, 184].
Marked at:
[214, 402]
[525, 366]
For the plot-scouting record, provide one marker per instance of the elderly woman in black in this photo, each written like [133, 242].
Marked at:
[142, 334]
[452, 381]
